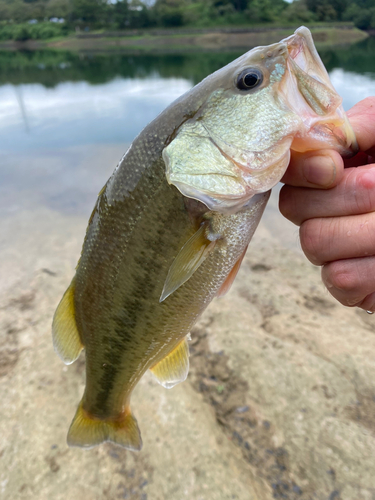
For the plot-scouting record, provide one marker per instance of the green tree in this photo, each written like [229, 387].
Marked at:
[139, 16]
[328, 10]
[265, 10]
[4, 12]
[169, 12]
[363, 18]
[19, 11]
[21, 33]
[198, 13]
[58, 8]
[298, 11]
[365, 4]
[234, 5]
[120, 14]
[92, 12]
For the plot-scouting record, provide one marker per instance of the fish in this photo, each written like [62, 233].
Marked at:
[173, 222]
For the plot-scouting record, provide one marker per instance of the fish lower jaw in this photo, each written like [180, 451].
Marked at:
[337, 136]
[248, 182]
[260, 181]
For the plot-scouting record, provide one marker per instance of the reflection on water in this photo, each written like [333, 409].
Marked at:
[35, 117]
[65, 119]
[352, 87]
[51, 68]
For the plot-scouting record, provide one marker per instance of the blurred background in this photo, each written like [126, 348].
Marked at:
[79, 79]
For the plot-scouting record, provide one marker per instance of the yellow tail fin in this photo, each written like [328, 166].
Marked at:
[87, 431]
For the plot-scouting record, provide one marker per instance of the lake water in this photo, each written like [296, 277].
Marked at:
[66, 119]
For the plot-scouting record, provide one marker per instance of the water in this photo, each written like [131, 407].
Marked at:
[66, 119]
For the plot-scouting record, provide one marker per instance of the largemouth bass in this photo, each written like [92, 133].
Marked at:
[173, 222]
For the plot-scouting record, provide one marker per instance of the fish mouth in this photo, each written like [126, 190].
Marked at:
[302, 51]
[308, 90]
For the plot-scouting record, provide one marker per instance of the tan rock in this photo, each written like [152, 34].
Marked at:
[280, 401]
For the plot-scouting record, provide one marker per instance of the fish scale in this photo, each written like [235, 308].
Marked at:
[172, 224]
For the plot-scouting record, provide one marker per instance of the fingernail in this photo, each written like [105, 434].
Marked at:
[319, 170]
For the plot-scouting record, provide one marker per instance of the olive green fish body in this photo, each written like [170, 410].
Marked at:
[172, 224]
[119, 281]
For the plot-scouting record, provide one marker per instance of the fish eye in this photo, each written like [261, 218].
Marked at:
[249, 79]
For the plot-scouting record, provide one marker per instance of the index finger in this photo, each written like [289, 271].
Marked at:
[362, 119]
[324, 168]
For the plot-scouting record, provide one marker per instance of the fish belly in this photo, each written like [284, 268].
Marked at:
[124, 327]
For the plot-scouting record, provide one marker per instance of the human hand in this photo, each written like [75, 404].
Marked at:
[337, 218]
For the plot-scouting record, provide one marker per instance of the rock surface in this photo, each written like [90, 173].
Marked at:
[279, 402]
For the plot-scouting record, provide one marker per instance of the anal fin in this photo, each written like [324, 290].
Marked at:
[87, 431]
[65, 335]
[225, 287]
[174, 368]
[189, 258]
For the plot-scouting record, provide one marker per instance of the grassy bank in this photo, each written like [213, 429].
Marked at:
[51, 66]
[188, 40]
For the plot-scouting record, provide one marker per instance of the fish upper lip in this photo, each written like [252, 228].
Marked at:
[301, 41]
[302, 34]
[282, 49]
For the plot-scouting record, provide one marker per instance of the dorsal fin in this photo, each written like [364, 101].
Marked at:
[189, 258]
[66, 339]
[174, 368]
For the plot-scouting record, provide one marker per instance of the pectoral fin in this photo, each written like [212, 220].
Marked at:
[190, 257]
[174, 367]
[225, 287]
[66, 340]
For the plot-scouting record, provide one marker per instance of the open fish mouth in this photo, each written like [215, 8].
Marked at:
[269, 102]
[311, 94]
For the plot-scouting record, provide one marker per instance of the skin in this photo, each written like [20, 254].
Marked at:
[138, 227]
[333, 202]
[197, 166]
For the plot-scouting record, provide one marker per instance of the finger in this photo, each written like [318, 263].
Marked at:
[368, 303]
[324, 168]
[362, 119]
[358, 160]
[321, 169]
[354, 195]
[336, 238]
[352, 282]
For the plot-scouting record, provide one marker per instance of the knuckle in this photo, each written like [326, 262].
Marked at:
[363, 189]
[287, 204]
[369, 101]
[311, 235]
[341, 276]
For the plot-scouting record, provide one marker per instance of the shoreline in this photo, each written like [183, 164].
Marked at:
[187, 39]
